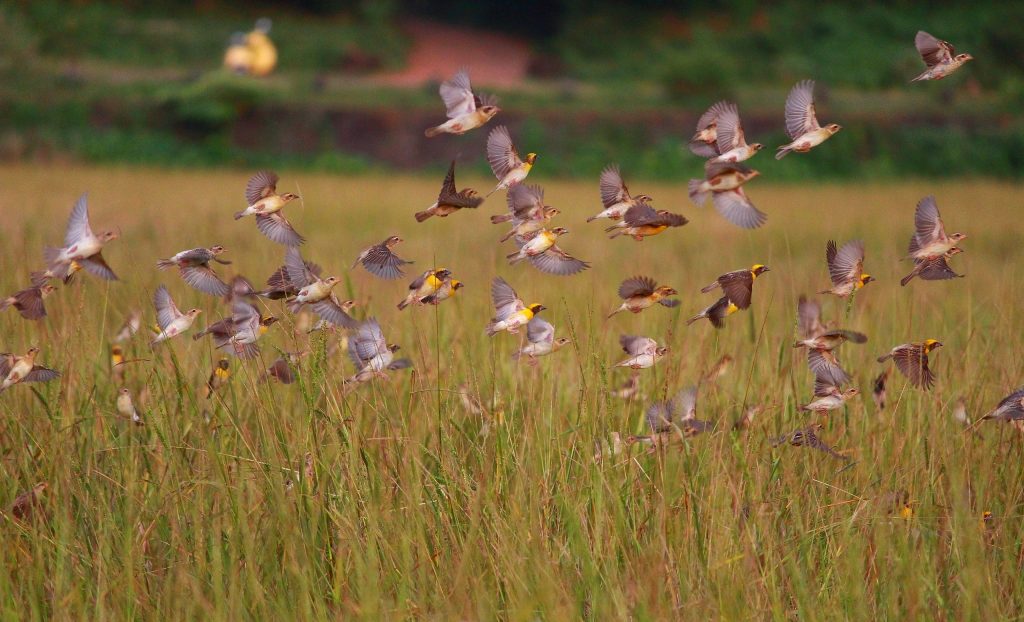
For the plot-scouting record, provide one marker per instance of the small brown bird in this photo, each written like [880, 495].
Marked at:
[879, 390]
[169, 318]
[802, 121]
[730, 141]
[716, 313]
[314, 292]
[126, 408]
[372, 355]
[81, 247]
[808, 313]
[29, 301]
[820, 356]
[465, 109]
[284, 368]
[846, 268]
[746, 420]
[17, 369]
[828, 396]
[808, 437]
[718, 370]
[615, 196]
[450, 200]
[912, 361]
[724, 181]
[940, 57]
[279, 285]
[643, 292]
[381, 262]
[671, 419]
[930, 238]
[705, 140]
[26, 503]
[934, 268]
[218, 377]
[194, 266]
[641, 221]
[541, 341]
[1010, 408]
[526, 210]
[237, 334]
[960, 412]
[266, 204]
[643, 352]
[738, 285]
[629, 389]
[131, 325]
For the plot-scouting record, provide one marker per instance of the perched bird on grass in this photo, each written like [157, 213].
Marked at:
[738, 285]
[172, 322]
[705, 139]
[511, 313]
[716, 313]
[17, 369]
[1010, 408]
[283, 369]
[450, 200]
[466, 110]
[846, 268]
[372, 354]
[380, 261]
[194, 266]
[449, 287]
[126, 408]
[807, 437]
[878, 390]
[239, 333]
[629, 389]
[643, 292]
[117, 364]
[28, 502]
[425, 285]
[81, 247]
[266, 204]
[545, 255]
[131, 325]
[615, 196]
[939, 56]
[314, 292]
[718, 370]
[960, 412]
[672, 419]
[505, 162]
[29, 301]
[218, 377]
[828, 396]
[642, 221]
[746, 420]
[934, 268]
[643, 352]
[912, 361]
[540, 335]
[930, 238]
[820, 356]
[723, 181]
[609, 450]
[730, 141]
[802, 121]
[526, 211]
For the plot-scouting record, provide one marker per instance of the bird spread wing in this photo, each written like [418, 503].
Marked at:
[30, 303]
[260, 186]
[40, 374]
[166, 310]
[847, 263]
[556, 261]
[367, 343]
[97, 266]
[458, 95]
[850, 335]
[934, 51]
[634, 344]
[526, 202]
[706, 121]
[640, 214]
[501, 153]
[808, 317]
[913, 362]
[928, 225]
[277, 228]
[245, 316]
[937, 269]
[205, 280]
[637, 286]
[451, 197]
[729, 132]
[540, 331]
[330, 310]
[825, 367]
[735, 206]
[613, 189]
[78, 224]
[684, 404]
[6, 363]
[505, 300]
[298, 274]
[381, 262]
[738, 287]
[1011, 407]
[800, 116]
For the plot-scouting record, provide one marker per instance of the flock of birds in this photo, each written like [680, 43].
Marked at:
[719, 138]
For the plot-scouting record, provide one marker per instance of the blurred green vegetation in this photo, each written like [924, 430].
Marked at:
[130, 82]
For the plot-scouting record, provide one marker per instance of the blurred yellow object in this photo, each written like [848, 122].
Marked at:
[238, 57]
[252, 54]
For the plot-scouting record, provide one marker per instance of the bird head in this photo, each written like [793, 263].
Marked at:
[216, 250]
[193, 313]
[223, 364]
[865, 279]
[833, 128]
[662, 351]
[394, 347]
[124, 391]
[288, 197]
[46, 290]
[116, 351]
[331, 281]
[392, 241]
[490, 111]
[107, 236]
[963, 58]
[347, 305]
[931, 344]
[665, 290]
[559, 231]
[551, 212]
[850, 392]
[457, 285]
[32, 352]
[956, 250]
[530, 158]
[757, 147]
[561, 341]
[536, 308]
[956, 237]
[643, 198]
[442, 273]
[758, 269]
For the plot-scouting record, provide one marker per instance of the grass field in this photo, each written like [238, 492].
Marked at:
[415, 508]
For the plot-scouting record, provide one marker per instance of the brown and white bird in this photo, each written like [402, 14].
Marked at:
[828, 396]
[314, 292]
[730, 141]
[643, 352]
[912, 361]
[29, 301]
[672, 419]
[878, 389]
[808, 315]
[939, 56]
[131, 325]
[238, 334]
[802, 121]
[723, 182]
[266, 204]
[615, 195]
[643, 292]
[705, 139]
[526, 211]
[930, 238]
[642, 221]
[380, 261]
[846, 268]
[171, 321]
[544, 253]
[808, 437]
[511, 313]
[126, 407]
[504, 159]
[194, 266]
[934, 268]
[629, 389]
[82, 247]
[821, 358]
[17, 369]
[541, 341]
[450, 200]
[26, 504]
[465, 109]
[1010, 408]
[716, 312]
[426, 284]
[738, 285]
[372, 355]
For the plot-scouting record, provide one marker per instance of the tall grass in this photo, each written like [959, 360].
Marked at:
[416, 508]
